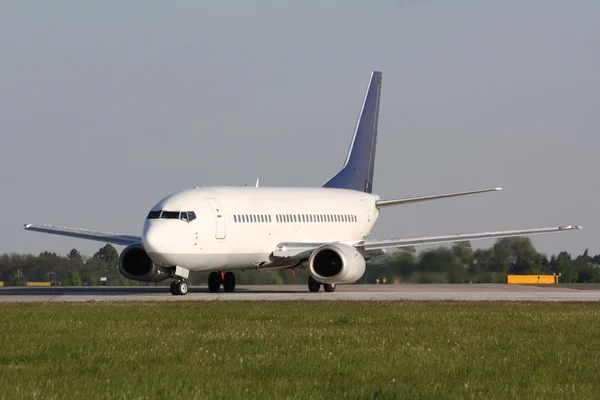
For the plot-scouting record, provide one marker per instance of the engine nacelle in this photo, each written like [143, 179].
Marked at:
[336, 263]
[135, 264]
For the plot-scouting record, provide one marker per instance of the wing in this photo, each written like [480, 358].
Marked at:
[106, 237]
[375, 245]
[290, 254]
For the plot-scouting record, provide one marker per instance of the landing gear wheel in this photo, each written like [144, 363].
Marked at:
[214, 282]
[182, 288]
[229, 282]
[313, 285]
[329, 287]
[173, 288]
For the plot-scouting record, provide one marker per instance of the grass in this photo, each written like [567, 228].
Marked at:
[355, 350]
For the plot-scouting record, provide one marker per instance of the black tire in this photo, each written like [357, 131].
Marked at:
[329, 287]
[214, 282]
[313, 285]
[173, 288]
[182, 288]
[229, 282]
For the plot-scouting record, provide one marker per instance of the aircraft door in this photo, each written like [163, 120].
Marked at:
[365, 215]
[219, 218]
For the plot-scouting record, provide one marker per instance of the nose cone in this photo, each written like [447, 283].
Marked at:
[157, 240]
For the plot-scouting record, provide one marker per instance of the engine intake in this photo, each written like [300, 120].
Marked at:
[336, 263]
[135, 264]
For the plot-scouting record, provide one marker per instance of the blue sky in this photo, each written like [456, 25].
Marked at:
[106, 107]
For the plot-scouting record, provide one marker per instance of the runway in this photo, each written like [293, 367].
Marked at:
[465, 292]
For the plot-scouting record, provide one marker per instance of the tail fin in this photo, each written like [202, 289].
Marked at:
[357, 172]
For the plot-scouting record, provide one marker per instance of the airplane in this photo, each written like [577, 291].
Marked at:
[227, 229]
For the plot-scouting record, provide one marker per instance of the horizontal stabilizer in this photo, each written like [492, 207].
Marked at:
[106, 237]
[405, 242]
[397, 202]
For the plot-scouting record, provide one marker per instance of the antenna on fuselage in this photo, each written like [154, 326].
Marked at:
[256, 182]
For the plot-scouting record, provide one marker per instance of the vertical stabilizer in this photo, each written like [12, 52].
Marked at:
[357, 172]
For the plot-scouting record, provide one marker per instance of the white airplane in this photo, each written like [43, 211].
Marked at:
[324, 229]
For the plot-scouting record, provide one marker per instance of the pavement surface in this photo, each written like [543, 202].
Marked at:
[474, 292]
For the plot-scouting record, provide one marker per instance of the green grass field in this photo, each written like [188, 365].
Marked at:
[358, 350]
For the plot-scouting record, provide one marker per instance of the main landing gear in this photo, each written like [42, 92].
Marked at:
[314, 286]
[216, 279]
[179, 288]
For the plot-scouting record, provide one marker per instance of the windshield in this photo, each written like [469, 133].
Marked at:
[186, 216]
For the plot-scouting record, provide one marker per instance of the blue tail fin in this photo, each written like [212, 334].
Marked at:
[357, 172]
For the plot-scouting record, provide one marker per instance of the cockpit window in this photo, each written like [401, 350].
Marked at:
[186, 216]
[170, 215]
[153, 214]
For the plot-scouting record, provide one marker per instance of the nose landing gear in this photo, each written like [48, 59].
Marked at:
[179, 288]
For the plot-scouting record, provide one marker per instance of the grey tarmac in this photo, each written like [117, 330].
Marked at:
[465, 292]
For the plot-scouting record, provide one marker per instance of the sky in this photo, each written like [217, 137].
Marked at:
[107, 107]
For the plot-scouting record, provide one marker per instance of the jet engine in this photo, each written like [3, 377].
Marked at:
[336, 263]
[135, 264]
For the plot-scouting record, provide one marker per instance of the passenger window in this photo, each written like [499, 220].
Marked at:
[235, 218]
[191, 216]
[269, 217]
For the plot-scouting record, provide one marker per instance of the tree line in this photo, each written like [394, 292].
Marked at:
[456, 264]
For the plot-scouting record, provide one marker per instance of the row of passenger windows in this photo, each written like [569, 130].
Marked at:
[251, 218]
[182, 215]
[288, 218]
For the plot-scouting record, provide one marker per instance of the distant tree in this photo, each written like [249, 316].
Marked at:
[108, 254]
[15, 279]
[75, 255]
[72, 279]
[464, 254]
